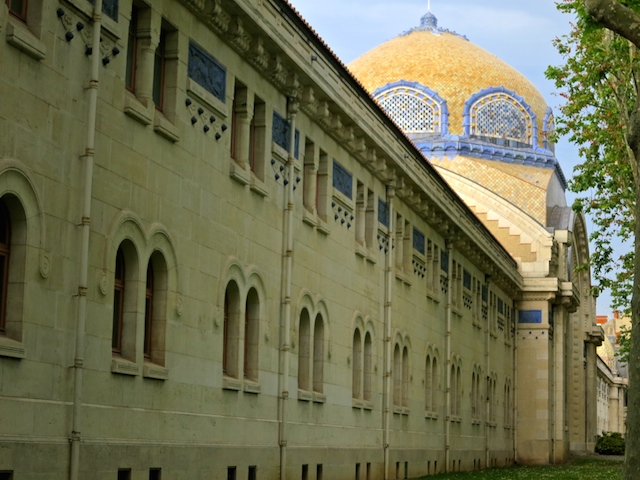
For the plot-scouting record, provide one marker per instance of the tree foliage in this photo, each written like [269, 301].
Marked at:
[599, 82]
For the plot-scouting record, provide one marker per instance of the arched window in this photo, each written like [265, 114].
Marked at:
[231, 330]
[304, 351]
[318, 355]
[148, 313]
[368, 361]
[405, 377]
[357, 365]
[5, 247]
[125, 309]
[454, 392]
[500, 116]
[414, 107]
[435, 379]
[397, 376]
[155, 309]
[458, 390]
[428, 385]
[118, 303]
[251, 335]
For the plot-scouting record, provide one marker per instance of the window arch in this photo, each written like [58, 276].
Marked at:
[5, 248]
[357, 365]
[155, 317]
[318, 354]
[368, 363]
[397, 375]
[413, 107]
[500, 116]
[304, 351]
[405, 377]
[231, 330]
[125, 307]
[251, 335]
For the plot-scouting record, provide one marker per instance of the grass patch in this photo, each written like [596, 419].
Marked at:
[579, 469]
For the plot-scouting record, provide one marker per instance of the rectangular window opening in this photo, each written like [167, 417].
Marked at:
[253, 472]
[18, 8]
[6, 475]
[231, 473]
[357, 471]
[155, 474]
[124, 474]
[305, 472]
[319, 472]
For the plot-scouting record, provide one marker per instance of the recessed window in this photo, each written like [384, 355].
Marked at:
[231, 330]
[155, 474]
[5, 244]
[132, 47]
[124, 474]
[159, 67]
[253, 472]
[118, 303]
[6, 475]
[18, 8]
[231, 473]
[305, 472]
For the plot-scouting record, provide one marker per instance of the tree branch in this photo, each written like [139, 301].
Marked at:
[617, 17]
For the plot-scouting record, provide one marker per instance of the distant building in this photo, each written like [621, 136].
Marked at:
[222, 259]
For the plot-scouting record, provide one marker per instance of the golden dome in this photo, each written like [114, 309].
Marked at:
[447, 64]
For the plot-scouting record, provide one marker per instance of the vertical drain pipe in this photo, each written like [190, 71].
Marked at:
[388, 295]
[487, 364]
[78, 361]
[292, 110]
[447, 425]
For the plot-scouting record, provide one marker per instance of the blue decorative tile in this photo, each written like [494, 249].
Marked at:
[466, 279]
[418, 240]
[342, 180]
[444, 261]
[109, 7]
[206, 71]
[530, 316]
[383, 212]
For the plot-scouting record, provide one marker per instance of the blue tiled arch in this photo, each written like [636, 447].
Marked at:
[442, 103]
[466, 113]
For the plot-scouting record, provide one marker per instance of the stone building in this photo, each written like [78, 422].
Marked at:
[221, 259]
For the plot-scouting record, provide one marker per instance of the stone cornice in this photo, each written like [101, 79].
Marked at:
[334, 99]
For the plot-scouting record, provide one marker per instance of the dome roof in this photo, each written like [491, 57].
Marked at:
[449, 65]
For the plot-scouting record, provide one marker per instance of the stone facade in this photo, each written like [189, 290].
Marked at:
[223, 260]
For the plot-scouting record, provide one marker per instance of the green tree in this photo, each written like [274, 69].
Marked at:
[601, 81]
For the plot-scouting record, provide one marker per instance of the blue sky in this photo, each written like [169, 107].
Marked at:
[520, 32]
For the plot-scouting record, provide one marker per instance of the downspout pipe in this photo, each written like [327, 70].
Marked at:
[487, 365]
[388, 295]
[447, 340]
[292, 110]
[85, 228]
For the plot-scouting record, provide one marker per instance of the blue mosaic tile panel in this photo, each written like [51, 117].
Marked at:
[466, 279]
[411, 109]
[342, 179]
[281, 131]
[109, 7]
[418, 240]
[530, 316]
[383, 212]
[444, 261]
[501, 118]
[207, 72]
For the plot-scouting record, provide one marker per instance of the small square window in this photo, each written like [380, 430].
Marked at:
[124, 474]
[155, 473]
[6, 475]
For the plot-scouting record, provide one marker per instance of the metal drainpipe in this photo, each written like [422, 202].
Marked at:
[292, 107]
[388, 285]
[447, 424]
[514, 385]
[85, 224]
[487, 363]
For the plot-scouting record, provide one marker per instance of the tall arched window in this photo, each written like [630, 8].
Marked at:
[397, 376]
[5, 247]
[435, 379]
[251, 335]
[231, 330]
[148, 313]
[118, 303]
[405, 377]
[155, 318]
[304, 351]
[318, 355]
[428, 385]
[357, 365]
[368, 361]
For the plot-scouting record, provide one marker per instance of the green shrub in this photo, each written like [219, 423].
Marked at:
[610, 443]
